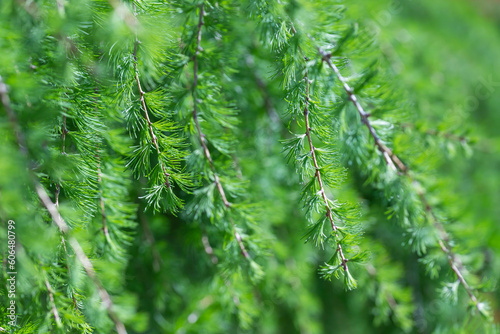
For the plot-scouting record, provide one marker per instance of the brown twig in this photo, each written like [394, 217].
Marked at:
[317, 175]
[398, 166]
[329, 213]
[56, 217]
[391, 159]
[202, 136]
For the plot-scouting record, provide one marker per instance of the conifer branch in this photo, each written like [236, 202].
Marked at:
[57, 318]
[317, 175]
[99, 179]
[393, 161]
[81, 256]
[56, 216]
[154, 139]
[101, 198]
[202, 136]
[64, 130]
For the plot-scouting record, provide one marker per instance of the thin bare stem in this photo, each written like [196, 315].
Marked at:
[56, 217]
[317, 175]
[57, 318]
[101, 198]
[208, 249]
[396, 164]
[202, 136]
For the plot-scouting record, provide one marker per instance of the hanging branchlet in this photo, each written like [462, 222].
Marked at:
[317, 175]
[81, 256]
[57, 218]
[202, 137]
[53, 306]
[394, 163]
[159, 153]
[154, 139]
[318, 167]
[101, 199]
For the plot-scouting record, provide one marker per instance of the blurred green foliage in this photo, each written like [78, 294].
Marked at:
[97, 110]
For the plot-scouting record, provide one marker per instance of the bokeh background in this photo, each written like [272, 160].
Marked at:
[443, 59]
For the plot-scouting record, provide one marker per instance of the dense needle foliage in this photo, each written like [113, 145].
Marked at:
[249, 166]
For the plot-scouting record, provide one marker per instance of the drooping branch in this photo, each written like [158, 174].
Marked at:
[64, 131]
[101, 198]
[81, 256]
[154, 138]
[53, 307]
[202, 136]
[397, 165]
[391, 159]
[317, 174]
[56, 216]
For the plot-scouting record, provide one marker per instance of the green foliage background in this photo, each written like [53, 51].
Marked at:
[174, 147]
